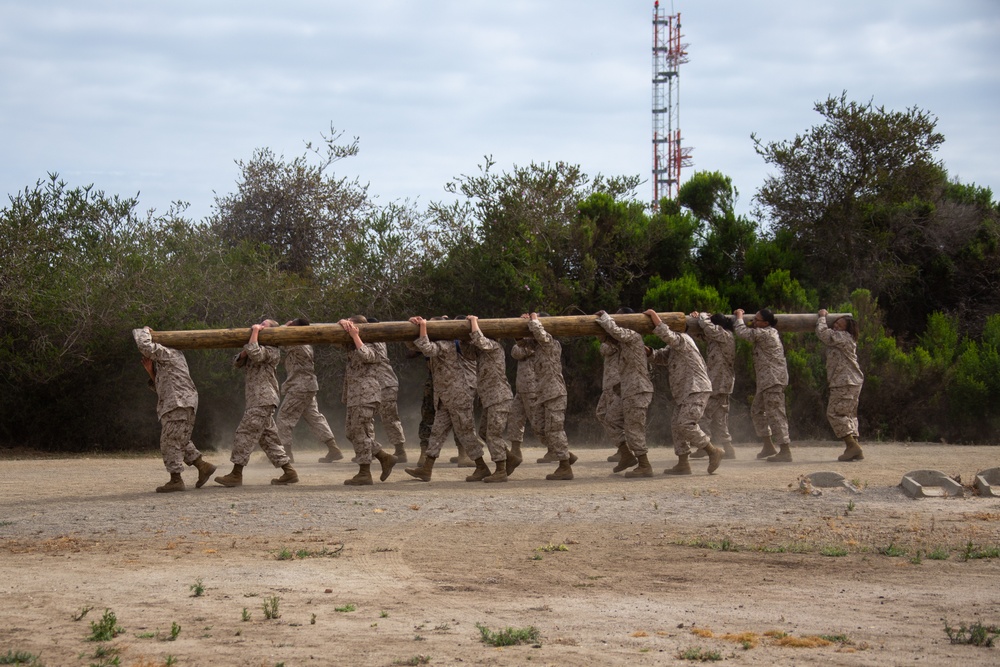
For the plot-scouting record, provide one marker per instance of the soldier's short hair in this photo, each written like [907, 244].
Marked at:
[720, 320]
[358, 319]
[768, 316]
[299, 322]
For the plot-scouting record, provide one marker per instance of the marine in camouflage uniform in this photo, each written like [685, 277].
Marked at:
[176, 406]
[524, 408]
[720, 357]
[257, 428]
[454, 395]
[362, 393]
[609, 406]
[496, 398]
[690, 387]
[844, 376]
[636, 394]
[299, 389]
[551, 397]
[767, 412]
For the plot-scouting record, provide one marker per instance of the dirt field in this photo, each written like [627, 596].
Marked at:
[610, 571]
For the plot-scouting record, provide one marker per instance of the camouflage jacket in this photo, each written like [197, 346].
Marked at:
[491, 370]
[548, 364]
[453, 383]
[361, 377]
[842, 368]
[259, 366]
[386, 375]
[632, 363]
[524, 353]
[720, 355]
[768, 354]
[686, 368]
[173, 385]
[300, 370]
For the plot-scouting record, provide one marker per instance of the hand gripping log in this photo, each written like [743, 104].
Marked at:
[510, 327]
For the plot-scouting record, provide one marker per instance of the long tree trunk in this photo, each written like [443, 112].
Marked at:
[512, 327]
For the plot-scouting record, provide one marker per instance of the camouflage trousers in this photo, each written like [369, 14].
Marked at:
[842, 410]
[495, 419]
[609, 415]
[767, 412]
[635, 409]
[360, 430]
[257, 428]
[302, 405]
[523, 410]
[554, 427]
[175, 439]
[388, 412]
[716, 419]
[460, 417]
[684, 429]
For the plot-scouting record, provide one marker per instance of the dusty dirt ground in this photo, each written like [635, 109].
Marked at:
[402, 572]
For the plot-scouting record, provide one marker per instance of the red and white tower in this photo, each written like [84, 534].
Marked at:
[668, 155]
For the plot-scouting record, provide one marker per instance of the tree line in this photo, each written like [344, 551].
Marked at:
[858, 215]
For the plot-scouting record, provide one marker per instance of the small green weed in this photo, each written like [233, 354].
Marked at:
[972, 552]
[415, 660]
[699, 655]
[285, 554]
[175, 630]
[549, 548]
[20, 658]
[837, 639]
[850, 506]
[245, 616]
[892, 551]
[197, 589]
[383, 614]
[346, 608]
[106, 629]
[145, 635]
[940, 553]
[833, 551]
[270, 607]
[312, 620]
[78, 616]
[976, 634]
[509, 636]
[107, 656]
[170, 661]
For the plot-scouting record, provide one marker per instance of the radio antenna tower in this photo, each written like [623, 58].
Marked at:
[668, 155]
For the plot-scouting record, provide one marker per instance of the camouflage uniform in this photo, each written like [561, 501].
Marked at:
[609, 407]
[524, 408]
[720, 357]
[551, 395]
[176, 401]
[388, 408]
[362, 394]
[768, 409]
[257, 426]
[299, 389]
[843, 374]
[690, 386]
[494, 392]
[454, 395]
[636, 387]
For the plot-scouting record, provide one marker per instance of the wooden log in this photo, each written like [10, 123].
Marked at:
[511, 327]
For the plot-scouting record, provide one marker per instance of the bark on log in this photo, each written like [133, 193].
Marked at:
[512, 327]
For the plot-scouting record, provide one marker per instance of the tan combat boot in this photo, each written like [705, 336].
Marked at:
[515, 448]
[205, 471]
[699, 453]
[400, 453]
[175, 484]
[564, 471]
[715, 455]
[617, 456]
[423, 473]
[423, 453]
[728, 451]
[626, 458]
[363, 478]
[333, 453]
[682, 467]
[289, 476]
[482, 471]
[501, 473]
[513, 460]
[783, 456]
[234, 478]
[644, 469]
[463, 459]
[853, 451]
[550, 457]
[387, 461]
[768, 449]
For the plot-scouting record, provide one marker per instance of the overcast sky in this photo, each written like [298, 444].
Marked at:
[160, 98]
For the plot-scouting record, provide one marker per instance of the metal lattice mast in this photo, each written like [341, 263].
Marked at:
[668, 155]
